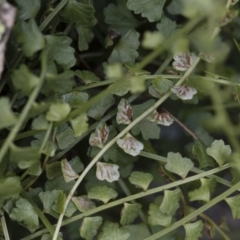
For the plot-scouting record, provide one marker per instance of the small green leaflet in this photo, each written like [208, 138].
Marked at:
[58, 49]
[234, 204]
[151, 40]
[35, 169]
[175, 7]
[28, 8]
[102, 193]
[141, 179]
[58, 207]
[57, 112]
[64, 81]
[90, 226]
[30, 37]
[75, 99]
[25, 157]
[10, 187]
[147, 128]
[82, 16]
[129, 213]
[7, 116]
[24, 80]
[87, 77]
[178, 165]
[138, 231]
[112, 231]
[188, 210]
[60, 202]
[204, 192]
[156, 217]
[59, 184]
[78, 13]
[113, 71]
[64, 136]
[24, 213]
[50, 147]
[193, 230]
[83, 203]
[98, 110]
[48, 198]
[153, 92]
[119, 17]
[39, 123]
[68, 172]
[162, 85]
[137, 84]
[79, 125]
[125, 50]
[123, 88]
[85, 37]
[203, 135]
[55, 169]
[170, 202]
[151, 9]
[202, 84]
[200, 151]
[219, 151]
[76, 164]
[166, 27]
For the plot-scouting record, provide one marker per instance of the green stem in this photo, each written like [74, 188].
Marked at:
[108, 82]
[46, 137]
[4, 226]
[49, 18]
[24, 135]
[220, 81]
[225, 121]
[195, 213]
[14, 98]
[121, 134]
[163, 76]
[208, 219]
[134, 197]
[227, 105]
[194, 169]
[25, 110]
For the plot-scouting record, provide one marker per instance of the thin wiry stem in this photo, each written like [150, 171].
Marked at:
[135, 196]
[4, 226]
[25, 110]
[121, 134]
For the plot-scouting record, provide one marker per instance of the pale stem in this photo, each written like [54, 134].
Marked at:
[136, 196]
[121, 134]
